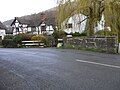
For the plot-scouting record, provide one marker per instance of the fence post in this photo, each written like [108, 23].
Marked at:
[119, 48]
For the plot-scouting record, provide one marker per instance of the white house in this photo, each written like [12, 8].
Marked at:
[2, 31]
[20, 25]
[77, 23]
[74, 24]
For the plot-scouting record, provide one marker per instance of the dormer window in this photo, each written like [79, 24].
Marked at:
[70, 25]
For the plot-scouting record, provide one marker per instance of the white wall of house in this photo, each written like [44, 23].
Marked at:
[38, 29]
[80, 27]
[100, 25]
[2, 33]
[76, 25]
[16, 26]
[22, 28]
[29, 29]
[49, 30]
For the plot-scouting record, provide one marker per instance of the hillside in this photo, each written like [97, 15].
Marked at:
[8, 22]
[50, 17]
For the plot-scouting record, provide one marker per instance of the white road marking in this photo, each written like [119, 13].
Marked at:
[101, 64]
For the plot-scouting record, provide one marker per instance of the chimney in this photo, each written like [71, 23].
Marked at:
[43, 17]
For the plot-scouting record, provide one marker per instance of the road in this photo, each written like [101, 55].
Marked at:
[58, 69]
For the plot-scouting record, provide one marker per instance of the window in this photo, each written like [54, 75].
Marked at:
[43, 28]
[0, 38]
[17, 29]
[33, 29]
[70, 25]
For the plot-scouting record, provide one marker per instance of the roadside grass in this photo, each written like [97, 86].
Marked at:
[1, 46]
[77, 47]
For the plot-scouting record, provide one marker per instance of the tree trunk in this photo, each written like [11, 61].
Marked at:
[90, 31]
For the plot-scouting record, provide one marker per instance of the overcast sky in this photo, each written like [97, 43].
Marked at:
[16, 8]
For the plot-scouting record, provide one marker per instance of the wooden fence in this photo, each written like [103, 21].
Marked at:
[32, 44]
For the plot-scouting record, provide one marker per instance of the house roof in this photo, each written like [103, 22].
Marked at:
[9, 30]
[2, 26]
[26, 21]
[29, 22]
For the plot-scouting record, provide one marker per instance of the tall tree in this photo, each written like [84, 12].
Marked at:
[112, 16]
[93, 9]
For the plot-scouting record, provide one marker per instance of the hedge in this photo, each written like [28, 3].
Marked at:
[9, 43]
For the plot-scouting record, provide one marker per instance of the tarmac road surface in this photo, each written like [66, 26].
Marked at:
[58, 69]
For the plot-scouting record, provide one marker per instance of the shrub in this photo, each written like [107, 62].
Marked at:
[9, 37]
[77, 34]
[38, 38]
[68, 46]
[104, 33]
[26, 37]
[58, 34]
[49, 41]
[18, 39]
[9, 43]
[83, 34]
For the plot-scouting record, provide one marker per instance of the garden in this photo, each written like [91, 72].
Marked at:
[15, 41]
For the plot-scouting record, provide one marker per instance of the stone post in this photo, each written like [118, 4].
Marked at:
[119, 48]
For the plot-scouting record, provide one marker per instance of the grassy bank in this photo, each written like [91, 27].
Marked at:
[78, 47]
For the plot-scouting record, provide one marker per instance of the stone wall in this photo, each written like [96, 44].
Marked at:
[106, 44]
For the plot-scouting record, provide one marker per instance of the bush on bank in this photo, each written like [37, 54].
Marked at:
[78, 47]
[77, 34]
[49, 41]
[8, 42]
[11, 41]
[14, 41]
[38, 38]
[58, 34]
